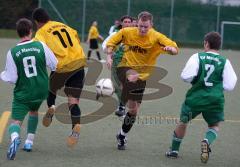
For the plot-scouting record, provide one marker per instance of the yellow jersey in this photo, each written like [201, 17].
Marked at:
[93, 33]
[140, 52]
[65, 44]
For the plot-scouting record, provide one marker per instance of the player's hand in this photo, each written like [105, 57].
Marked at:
[109, 62]
[170, 49]
[132, 75]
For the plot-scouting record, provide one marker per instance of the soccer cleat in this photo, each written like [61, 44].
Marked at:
[120, 111]
[12, 150]
[102, 61]
[205, 151]
[171, 154]
[74, 136]
[27, 147]
[47, 118]
[122, 141]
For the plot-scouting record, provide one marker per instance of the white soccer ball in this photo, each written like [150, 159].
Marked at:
[104, 87]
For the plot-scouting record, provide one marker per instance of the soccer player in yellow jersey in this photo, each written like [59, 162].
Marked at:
[93, 37]
[65, 43]
[142, 46]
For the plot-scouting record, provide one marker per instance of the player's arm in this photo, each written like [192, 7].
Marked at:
[10, 73]
[191, 69]
[113, 41]
[104, 44]
[168, 45]
[51, 60]
[90, 34]
[229, 77]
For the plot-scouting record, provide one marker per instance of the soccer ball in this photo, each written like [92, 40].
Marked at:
[104, 87]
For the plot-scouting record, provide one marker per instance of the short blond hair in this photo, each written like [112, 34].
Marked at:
[145, 16]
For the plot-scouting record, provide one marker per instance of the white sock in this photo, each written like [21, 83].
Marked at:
[30, 138]
[122, 133]
[14, 135]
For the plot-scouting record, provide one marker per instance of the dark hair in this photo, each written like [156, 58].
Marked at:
[23, 27]
[126, 17]
[40, 15]
[145, 16]
[134, 18]
[213, 39]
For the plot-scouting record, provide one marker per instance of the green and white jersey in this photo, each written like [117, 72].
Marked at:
[26, 67]
[118, 54]
[210, 74]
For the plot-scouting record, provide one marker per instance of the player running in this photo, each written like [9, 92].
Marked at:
[210, 74]
[65, 43]
[142, 45]
[126, 21]
[26, 68]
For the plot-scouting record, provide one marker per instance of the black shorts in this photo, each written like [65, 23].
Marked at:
[130, 90]
[93, 44]
[71, 81]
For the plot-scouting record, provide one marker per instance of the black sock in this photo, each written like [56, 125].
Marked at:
[51, 99]
[89, 54]
[75, 114]
[121, 104]
[98, 55]
[128, 122]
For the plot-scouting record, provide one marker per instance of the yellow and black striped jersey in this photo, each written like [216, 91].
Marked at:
[65, 44]
[140, 52]
[93, 33]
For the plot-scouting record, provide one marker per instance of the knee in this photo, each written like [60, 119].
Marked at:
[72, 100]
[16, 122]
[33, 113]
[133, 107]
[215, 127]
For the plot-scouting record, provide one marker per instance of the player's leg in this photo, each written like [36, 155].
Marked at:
[19, 112]
[92, 46]
[31, 130]
[132, 94]
[73, 89]
[32, 125]
[178, 135]
[129, 120]
[186, 115]
[120, 111]
[213, 119]
[89, 54]
[56, 82]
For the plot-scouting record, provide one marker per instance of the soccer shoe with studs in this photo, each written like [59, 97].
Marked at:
[171, 154]
[74, 136]
[205, 150]
[27, 147]
[13, 147]
[120, 111]
[122, 141]
[47, 118]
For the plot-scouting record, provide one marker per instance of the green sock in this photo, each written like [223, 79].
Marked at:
[32, 124]
[211, 135]
[14, 128]
[176, 142]
[119, 93]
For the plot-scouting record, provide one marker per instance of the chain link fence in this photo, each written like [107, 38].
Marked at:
[185, 21]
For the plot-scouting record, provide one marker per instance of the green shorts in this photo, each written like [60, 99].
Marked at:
[20, 110]
[187, 114]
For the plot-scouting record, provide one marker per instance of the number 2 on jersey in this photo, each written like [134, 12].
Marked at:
[59, 34]
[209, 68]
[30, 66]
